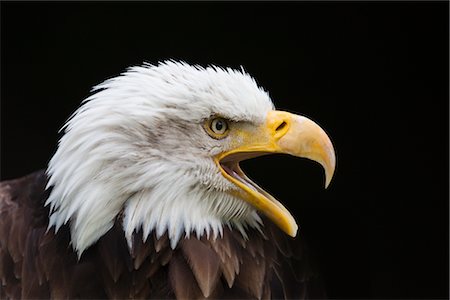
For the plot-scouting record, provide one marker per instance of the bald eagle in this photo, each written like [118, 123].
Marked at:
[144, 197]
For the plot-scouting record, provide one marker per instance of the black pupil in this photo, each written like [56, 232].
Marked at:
[219, 125]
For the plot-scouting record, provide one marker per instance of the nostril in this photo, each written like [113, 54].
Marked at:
[281, 126]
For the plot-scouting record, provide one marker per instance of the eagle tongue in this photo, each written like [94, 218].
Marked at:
[231, 171]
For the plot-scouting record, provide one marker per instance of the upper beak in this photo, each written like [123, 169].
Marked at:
[282, 132]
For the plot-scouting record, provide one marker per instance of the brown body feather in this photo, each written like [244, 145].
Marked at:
[35, 263]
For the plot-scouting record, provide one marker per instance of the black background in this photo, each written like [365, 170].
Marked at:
[374, 75]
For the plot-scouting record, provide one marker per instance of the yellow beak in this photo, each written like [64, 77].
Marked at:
[282, 132]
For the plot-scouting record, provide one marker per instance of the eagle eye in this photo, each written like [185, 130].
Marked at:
[217, 127]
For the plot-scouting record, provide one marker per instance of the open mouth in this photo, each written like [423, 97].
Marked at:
[251, 192]
[233, 170]
[230, 164]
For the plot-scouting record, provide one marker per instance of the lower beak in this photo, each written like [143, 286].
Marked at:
[282, 132]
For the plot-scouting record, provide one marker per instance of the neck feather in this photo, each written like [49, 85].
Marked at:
[173, 204]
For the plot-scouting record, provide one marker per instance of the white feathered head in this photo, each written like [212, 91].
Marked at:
[162, 144]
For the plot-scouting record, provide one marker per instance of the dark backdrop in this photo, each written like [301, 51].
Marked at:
[374, 75]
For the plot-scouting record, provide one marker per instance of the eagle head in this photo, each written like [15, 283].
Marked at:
[158, 148]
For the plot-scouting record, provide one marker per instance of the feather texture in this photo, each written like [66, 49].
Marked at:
[36, 263]
[182, 280]
[204, 263]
